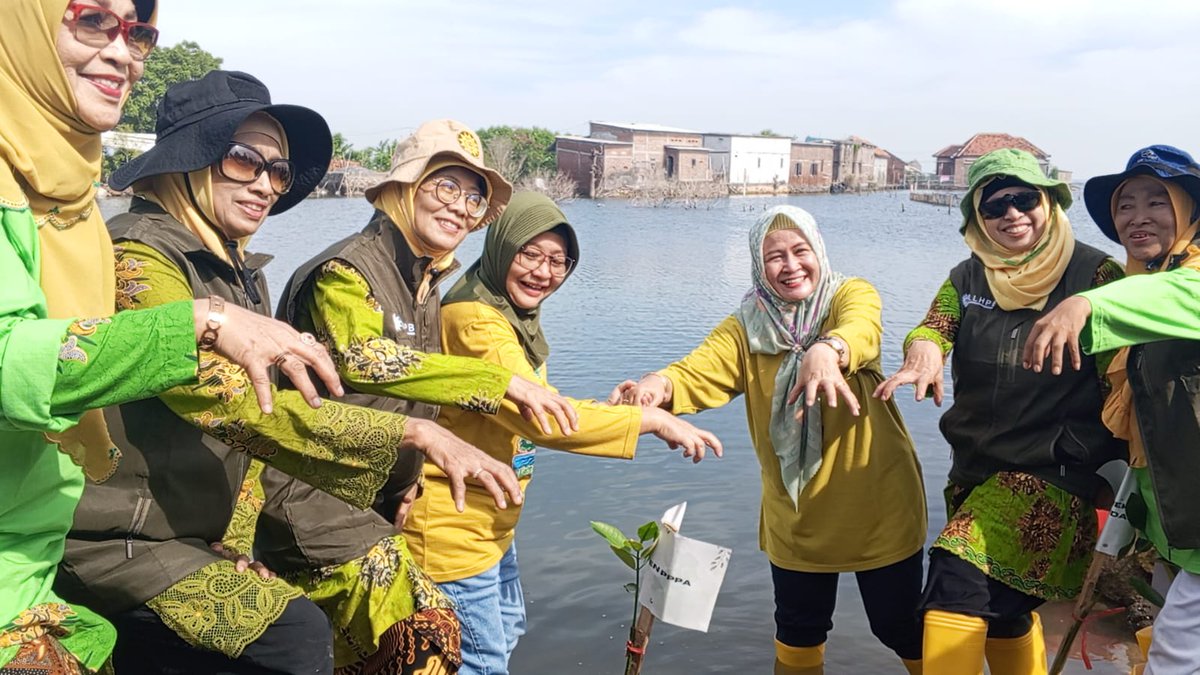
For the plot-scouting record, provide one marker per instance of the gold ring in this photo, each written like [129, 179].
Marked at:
[307, 339]
[282, 358]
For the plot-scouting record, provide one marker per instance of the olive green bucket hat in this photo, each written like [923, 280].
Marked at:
[1010, 162]
[445, 139]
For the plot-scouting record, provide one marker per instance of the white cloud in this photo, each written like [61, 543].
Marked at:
[1087, 80]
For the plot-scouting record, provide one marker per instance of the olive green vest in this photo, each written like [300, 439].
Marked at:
[173, 492]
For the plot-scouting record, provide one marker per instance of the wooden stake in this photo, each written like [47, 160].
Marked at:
[639, 640]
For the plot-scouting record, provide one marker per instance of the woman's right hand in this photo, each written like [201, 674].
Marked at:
[679, 433]
[460, 460]
[923, 367]
[537, 404]
[256, 342]
[652, 391]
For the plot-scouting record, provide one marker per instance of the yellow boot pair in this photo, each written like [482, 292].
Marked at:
[955, 644]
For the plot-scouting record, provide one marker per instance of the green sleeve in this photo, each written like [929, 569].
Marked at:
[53, 370]
[1143, 308]
[941, 321]
[341, 449]
[349, 320]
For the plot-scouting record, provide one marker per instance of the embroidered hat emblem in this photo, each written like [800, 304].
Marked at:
[469, 143]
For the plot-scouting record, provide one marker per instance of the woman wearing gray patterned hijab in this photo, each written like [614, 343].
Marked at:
[842, 488]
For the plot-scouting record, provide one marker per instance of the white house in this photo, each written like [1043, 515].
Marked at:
[750, 160]
[126, 140]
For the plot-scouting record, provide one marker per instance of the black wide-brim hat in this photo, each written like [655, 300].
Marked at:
[1158, 161]
[197, 119]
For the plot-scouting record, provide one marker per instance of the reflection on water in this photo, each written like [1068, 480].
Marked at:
[650, 285]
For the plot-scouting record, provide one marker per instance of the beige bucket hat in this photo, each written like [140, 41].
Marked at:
[445, 139]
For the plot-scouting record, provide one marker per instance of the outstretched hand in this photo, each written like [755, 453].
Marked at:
[820, 375]
[1057, 332]
[538, 404]
[256, 342]
[923, 367]
[652, 391]
[461, 461]
[679, 433]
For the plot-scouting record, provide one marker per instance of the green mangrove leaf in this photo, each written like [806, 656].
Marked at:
[631, 587]
[626, 557]
[1146, 591]
[648, 531]
[611, 534]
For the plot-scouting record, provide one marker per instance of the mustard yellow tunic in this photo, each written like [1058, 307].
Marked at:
[450, 545]
[865, 508]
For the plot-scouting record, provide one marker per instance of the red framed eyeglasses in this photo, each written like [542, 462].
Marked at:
[98, 27]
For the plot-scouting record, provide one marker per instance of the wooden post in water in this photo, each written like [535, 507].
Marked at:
[639, 640]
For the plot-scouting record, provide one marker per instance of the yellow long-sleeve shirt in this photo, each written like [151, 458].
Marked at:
[865, 508]
[450, 545]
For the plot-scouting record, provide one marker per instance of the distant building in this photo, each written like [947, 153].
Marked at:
[126, 140]
[880, 177]
[750, 162]
[812, 167]
[954, 161]
[595, 164]
[648, 143]
[895, 170]
[687, 163]
[853, 161]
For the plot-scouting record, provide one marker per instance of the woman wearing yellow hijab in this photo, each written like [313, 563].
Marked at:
[66, 69]
[1026, 445]
[1152, 209]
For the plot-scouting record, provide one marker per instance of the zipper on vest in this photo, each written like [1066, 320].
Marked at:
[1011, 353]
[140, 512]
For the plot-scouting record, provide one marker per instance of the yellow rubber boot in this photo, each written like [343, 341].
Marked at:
[1025, 655]
[954, 644]
[912, 666]
[799, 660]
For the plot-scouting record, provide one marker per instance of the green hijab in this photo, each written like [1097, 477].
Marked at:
[528, 214]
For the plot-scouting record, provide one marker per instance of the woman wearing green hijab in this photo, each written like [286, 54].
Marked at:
[493, 313]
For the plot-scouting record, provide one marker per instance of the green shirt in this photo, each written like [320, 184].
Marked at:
[51, 371]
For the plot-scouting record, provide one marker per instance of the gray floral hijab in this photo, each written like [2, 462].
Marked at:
[773, 327]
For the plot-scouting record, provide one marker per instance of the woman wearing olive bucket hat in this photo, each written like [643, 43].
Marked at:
[1026, 445]
[1153, 209]
[139, 549]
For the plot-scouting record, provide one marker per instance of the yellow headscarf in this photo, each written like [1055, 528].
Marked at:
[398, 200]
[1118, 408]
[170, 191]
[50, 163]
[1023, 280]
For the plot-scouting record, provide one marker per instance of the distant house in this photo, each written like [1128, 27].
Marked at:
[853, 161]
[648, 143]
[954, 161]
[126, 140]
[812, 167]
[880, 177]
[595, 164]
[687, 163]
[750, 162]
[895, 171]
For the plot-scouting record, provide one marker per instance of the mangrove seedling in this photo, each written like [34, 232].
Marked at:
[635, 553]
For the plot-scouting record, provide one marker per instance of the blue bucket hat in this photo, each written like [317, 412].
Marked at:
[1159, 161]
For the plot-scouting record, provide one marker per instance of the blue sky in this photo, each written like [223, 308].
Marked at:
[1089, 81]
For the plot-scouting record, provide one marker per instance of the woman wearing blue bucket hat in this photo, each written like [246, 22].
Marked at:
[1153, 209]
[1021, 526]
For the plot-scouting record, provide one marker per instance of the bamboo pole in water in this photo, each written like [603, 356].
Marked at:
[639, 639]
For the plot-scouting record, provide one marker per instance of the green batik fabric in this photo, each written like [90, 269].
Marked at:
[239, 535]
[367, 596]
[1023, 532]
[218, 608]
[344, 450]
[349, 321]
[85, 634]
[941, 322]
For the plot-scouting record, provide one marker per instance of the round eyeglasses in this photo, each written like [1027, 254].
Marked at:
[447, 190]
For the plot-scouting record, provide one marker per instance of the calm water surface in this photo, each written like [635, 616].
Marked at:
[651, 284]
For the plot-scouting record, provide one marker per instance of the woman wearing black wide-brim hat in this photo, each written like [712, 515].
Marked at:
[1152, 208]
[156, 543]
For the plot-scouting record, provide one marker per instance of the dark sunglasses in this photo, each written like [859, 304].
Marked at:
[97, 27]
[1021, 201]
[244, 164]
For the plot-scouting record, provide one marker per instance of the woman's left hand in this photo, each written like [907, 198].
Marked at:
[1055, 332]
[820, 375]
[242, 562]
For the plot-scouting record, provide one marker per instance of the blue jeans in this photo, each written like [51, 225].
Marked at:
[491, 609]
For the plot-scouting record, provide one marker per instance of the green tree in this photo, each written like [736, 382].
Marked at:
[379, 158]
[343, 149]
[164, 67]
[517, 152]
